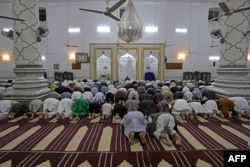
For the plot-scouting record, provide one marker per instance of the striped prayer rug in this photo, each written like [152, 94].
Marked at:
[25, 142]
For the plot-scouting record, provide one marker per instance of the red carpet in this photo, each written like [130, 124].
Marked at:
[82, 143]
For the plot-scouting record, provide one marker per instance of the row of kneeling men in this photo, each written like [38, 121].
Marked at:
[80, 107]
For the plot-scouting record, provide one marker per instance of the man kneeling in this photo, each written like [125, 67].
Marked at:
[163, 126]
[134, 123]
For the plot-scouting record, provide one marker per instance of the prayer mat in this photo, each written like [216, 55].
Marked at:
[26, 142]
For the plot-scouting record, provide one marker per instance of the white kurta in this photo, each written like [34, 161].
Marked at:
[165, 124]
[185, 89]
[240, 104]
[36, 106]
[50, 105]
[106, 109]
[181, 105]
[88, 96]
[113, 90]
[76, 95]
[211, 106]
[65, 106]
[188, 96]
[197, 108]
[5, 106]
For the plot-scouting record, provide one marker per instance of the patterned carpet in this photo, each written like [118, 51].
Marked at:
[84, 143]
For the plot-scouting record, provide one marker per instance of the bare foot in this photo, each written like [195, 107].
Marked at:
[214, 114]
[62, 116]
[57, 116]
[182, 114]
[230, 114]
[77, 117]
[117, 116]
[169, 142]
[131, 138]
[205, 116]
[25, 115]
[46, 115]
[11, 115]
[90, 116]
[71, 117]
[177, 139]
[191, 115]
[32, 116]
[41, 116]
[142, 137]
[247, 113]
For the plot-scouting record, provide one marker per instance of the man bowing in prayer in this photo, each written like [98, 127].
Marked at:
[134, 123]
[163, 126]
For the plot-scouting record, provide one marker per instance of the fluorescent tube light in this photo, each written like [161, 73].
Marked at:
[74, 30]
[181, 30]
[103, 29]
[151, 29]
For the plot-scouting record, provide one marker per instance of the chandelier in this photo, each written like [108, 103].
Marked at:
[130, 26]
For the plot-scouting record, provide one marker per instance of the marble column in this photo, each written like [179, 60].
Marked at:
[29, 82]
[232, 70]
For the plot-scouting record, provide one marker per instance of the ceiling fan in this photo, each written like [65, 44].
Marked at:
[227, 11]
[108, 11]
[214, 46]
[191, 52]
[48, 53]
[11, 18]
[70, 46]
[167, 45]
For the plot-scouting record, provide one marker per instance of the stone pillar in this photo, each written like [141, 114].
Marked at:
[232, 70]
[29, 82]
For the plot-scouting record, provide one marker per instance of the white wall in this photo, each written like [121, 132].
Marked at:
[166, 15]
[6, 45]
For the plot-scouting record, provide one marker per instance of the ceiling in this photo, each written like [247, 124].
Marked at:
[138, 1]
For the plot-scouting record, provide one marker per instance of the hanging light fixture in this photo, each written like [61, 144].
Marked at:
[130, 26]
